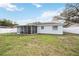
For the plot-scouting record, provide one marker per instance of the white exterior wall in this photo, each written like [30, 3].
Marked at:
[49, 30]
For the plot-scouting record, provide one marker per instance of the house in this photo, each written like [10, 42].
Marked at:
[41, 28]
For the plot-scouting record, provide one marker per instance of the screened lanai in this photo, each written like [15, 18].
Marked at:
[26, 29]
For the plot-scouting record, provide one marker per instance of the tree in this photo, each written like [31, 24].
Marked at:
[6, 22]
[71, 13]
[58, 17]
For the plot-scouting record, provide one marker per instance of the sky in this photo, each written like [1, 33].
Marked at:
[23, 13]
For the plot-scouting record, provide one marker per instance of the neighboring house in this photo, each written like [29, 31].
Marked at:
[41, 28]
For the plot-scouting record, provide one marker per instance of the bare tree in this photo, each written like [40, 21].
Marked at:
[71, 12]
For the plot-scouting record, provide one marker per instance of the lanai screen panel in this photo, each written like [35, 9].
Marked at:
[34, 29]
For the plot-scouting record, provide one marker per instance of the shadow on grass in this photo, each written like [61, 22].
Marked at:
[14, 34]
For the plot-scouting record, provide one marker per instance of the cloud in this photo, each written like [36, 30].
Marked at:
[10, 7]
[37, 5]
[51, 13]
[24, 21]
[46, 16]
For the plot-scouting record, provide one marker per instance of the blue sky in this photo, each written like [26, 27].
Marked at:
[23, 13]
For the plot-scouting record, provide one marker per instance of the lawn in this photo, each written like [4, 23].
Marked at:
[37, 45]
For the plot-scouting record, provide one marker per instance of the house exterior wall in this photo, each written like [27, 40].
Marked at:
[50, 30]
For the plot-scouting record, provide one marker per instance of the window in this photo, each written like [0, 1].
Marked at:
[42, 27]
[55, 27]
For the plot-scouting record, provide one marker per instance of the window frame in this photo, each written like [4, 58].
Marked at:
[55, 27]
[42, 27]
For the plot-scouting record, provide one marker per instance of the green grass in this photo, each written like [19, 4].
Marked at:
[45, 45]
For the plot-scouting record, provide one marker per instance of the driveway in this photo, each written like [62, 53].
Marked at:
[74, 30]
[8, 30]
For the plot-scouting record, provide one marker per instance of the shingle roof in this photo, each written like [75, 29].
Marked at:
[42, 23]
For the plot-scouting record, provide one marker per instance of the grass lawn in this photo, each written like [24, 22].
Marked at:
[45, 45]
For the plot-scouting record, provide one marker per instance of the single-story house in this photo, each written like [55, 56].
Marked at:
[41, 28]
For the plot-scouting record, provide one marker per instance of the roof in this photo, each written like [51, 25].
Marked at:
[43, 23]
[46, 23]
